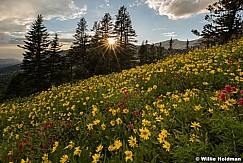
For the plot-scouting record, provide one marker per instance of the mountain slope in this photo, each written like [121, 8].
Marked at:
[8, 62]
[175, 110]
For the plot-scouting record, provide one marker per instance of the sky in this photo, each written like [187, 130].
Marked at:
[153, 20]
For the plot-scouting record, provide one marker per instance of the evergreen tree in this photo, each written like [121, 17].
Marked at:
[106, 26]
[143, 53]
[160, 50]
[78, 54]
[225, 22]
[55, 61]
[171, 46]
[34, 63]
[187, 44]
[152, 54]
[126, 36]
[123, 27]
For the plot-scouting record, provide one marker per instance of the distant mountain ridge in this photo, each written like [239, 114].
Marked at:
[178, 44]
[8, 62]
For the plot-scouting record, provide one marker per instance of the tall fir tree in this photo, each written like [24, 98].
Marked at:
[126, 37]
[224, 22]
[171, 46]
[106, 59]
[55, 62]
[78, 54]
[143, 53]
[36, 52]
[106, 26]
[187, 45]
[123, 27]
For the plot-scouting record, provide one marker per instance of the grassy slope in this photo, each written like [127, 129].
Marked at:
[171, 94]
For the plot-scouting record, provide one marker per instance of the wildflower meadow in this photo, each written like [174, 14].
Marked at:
[177, 109]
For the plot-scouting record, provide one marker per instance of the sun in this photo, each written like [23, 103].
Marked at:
[111, 41]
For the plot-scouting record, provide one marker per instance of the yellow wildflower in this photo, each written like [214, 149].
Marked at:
[197, 108]
[96, 158]
[195, 125]
[118, 121]
[103, 126]
[112, 123]
[95, 122]
[144, 133]
[70, 145]
[117, 144]
[193, 137]
[77, 151]
[64, 159]
[128, 155]
[132, 142]
[55, 147]
[90, 126]
[166, 145]
[99, 148]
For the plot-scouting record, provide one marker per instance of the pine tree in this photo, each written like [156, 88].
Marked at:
[187, 44]
[78, 54]
[225, 22]
[106, 26]
[34, 63]
[126, 36]
[171, 46]
[55, 61]
[103, 52]
[143, 53]
[160, 50]
[123, 27]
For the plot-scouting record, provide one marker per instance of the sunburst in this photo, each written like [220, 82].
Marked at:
[111, 46]
[111, 41]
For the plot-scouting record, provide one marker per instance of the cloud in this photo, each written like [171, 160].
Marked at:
[177, 9]
[24, 11]
[157, 29]
[137, 3]
[16, 16]
[169, 34]
[105, 4]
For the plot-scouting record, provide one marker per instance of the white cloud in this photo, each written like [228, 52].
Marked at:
[169, 34]
[177, 9]
[137, 3]
[157, 29]
[24, 11]
[16, 16]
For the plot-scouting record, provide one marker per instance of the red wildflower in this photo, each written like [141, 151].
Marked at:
[241, 92]
[222, 96]
[9, 155]
[228, 88]
[42, 128]
[136, 112]
[240, 102]
[20, 146]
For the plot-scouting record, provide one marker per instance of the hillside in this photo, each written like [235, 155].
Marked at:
[6, 73]
[175, 110]
[8, 62]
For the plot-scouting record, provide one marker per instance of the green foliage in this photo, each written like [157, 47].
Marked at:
[224, 22]
[34, 63]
